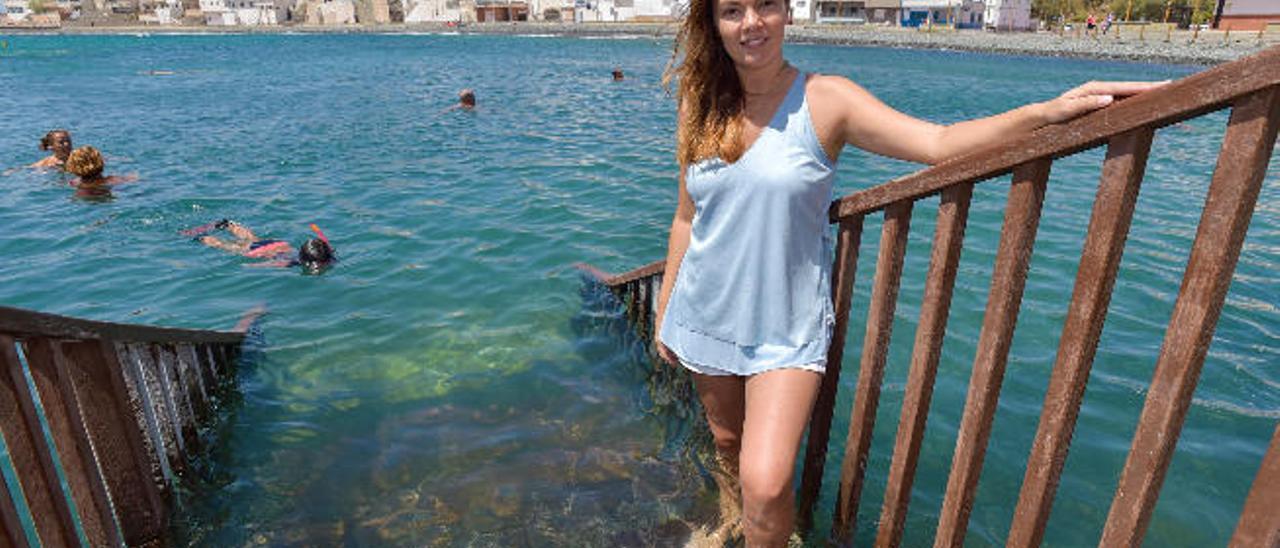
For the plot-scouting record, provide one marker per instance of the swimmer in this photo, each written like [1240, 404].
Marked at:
[314, 255]
[466, 99]
[617, 74]
[87, 165]
[58, 141]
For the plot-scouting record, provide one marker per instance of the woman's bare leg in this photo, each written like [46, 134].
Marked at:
[723, 400]
[778, 404]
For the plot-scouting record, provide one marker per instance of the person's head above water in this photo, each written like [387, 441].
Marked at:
[58, 141]
[315, 254]
[467, 98]
[617, 75]
[85, 162]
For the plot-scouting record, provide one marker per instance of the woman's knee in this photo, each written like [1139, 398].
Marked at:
[764, 483]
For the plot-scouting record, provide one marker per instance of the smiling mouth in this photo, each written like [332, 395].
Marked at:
[754, 42]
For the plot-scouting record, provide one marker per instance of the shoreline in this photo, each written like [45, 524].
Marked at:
[1182, 47]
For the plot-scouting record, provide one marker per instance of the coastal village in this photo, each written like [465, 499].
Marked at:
[1001, 15]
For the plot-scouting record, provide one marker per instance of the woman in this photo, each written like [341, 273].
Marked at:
[58, 141]
[87, 165]
[745, 301]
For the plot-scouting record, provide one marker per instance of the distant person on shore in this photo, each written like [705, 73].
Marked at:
[745, 303]
[1091, 25]
[314, 256]
[617, 75]
[59, 142]
[87, 165]
[1106, 23]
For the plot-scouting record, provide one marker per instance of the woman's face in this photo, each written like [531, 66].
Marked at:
[751, 30]
[60, 144]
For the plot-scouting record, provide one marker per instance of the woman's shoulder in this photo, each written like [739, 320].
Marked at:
[48, 161]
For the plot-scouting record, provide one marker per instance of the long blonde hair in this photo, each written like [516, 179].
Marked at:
[709, 95]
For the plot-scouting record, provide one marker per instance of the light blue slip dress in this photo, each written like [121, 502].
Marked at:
[753, 292]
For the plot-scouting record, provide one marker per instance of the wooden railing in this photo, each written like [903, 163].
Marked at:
[1251, 89]
[121, 404]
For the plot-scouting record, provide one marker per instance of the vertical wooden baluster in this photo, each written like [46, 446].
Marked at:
[642, 310]
[144, 410]
[31, 457]
[197, 371]
[1022, 218]
[875, 350]
[210, 353]
[948, 241]
[815, 452]
[177, 386]
[66, 421]
[11, 533]
[1259, 523]
[1099, 261]
[98, 381]
[1242, 163]
[165, 410]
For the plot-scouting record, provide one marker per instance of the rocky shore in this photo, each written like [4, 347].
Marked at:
[1155, 45]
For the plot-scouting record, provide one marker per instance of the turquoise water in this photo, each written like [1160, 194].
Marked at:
[452, 381]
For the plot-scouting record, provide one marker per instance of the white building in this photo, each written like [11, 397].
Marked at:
[426, 11]
[240, 12]
[1008, 14]
[16, 10]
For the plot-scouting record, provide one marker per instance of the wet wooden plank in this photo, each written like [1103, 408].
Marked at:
[875, 350]
[97, 378]
[32, 459]
[163, 409]
[1259, 523]
[195, 375]
[1022, 218]
[171, 380]
[948, 241]
[148, 412]
[11, 533]
[1122, 173]
[1242, 163]
[1188, 98]
[848, 239]
[66, 422]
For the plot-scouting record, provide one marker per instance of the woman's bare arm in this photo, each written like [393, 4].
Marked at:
[862, 120]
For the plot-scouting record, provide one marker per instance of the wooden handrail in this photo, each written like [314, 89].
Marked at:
[1193, 96]
[120, 403]
[1251, 89]
[18, 321]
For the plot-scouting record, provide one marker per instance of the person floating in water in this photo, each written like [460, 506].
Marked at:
[617, 74]
[58, 141]
[313, 256]
[86, 164]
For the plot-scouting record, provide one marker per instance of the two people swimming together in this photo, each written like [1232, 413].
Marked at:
[86, 163]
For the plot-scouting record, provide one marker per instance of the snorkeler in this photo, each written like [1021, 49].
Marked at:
[315, 254]
[86, 164]
[58, 141]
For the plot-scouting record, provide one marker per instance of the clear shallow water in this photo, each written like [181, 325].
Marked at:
[450, 383]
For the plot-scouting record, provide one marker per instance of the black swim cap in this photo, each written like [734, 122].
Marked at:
[315, 253]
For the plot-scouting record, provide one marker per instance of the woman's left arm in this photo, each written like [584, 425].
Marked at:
[862, 120]
[962, 137]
